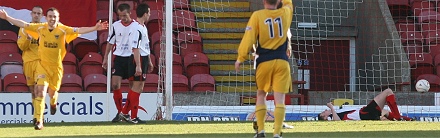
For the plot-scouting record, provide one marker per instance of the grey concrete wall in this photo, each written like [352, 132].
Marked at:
[377, 37]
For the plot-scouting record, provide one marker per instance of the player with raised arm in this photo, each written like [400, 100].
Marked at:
[269, 27]
[52, 37]
[29, 46]
[373, 111]
[140, 60]
[122, 40]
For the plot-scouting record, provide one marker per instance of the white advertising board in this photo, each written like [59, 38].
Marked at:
[72, 107]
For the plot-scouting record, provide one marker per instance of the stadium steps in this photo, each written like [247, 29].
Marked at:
[222, 25]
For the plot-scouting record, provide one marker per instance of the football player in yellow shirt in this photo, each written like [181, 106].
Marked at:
[269, 27]
[29, 46]
[52, 37]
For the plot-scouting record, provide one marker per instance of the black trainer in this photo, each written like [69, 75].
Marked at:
[125, 117]
[261, 134]
[117, 118]
[138, 121]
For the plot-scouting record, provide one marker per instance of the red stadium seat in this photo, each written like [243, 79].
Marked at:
[429, 17]
[10, 63]
[180, 83]
[155, 22]
[413, 48]
[132, 3]
[1, 85]
[102, 5]
[15, 82]
[434, 81]
[95, 83]
[155, 5]
[437, 64]
[103, 41]
[418, 7]
[133, 14]
[421, 63]
[429, 27]
[202, 83]
[103, 15]
[196, 63]
[399, 7]
[151, 83]
[184, 20]
[432, 38]
[181, 4]
[411, 38]
[434, 50]
[189, 41]
[154, 61]
[177, 64]
[91, 64]
[8, 42]
[82, 47]
[71, 83]
[406, 27]
[70, 64]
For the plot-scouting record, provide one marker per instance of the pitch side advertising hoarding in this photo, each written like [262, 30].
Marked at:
[72, 107]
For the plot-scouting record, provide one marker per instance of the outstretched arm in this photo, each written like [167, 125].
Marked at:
[99, 26]
[16, 22]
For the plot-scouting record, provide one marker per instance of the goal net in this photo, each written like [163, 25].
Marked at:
[344, 51]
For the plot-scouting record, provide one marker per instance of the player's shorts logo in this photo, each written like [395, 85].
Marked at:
[41, 76]
[144, 76]
[113, 71]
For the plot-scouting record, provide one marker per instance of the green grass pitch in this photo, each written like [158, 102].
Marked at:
[173, 129]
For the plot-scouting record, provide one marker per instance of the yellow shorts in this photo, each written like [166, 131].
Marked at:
[49, 75]
[274, 75]
[29, 70]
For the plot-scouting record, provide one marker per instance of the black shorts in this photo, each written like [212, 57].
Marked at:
[120, 67]
[132, 69]
[370, 112]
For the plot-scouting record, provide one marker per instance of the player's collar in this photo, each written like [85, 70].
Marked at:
[127, 24]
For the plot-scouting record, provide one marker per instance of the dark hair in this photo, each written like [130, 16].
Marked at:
[271, 2]
[52, 9]
[123, 7]
[37, 7]
[320, 118]
[142, 9]
[280, 5]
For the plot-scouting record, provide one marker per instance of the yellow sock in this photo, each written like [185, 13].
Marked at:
[40, 105]
[54, 99]
[36, 108]
[260, 114]
[280, 113]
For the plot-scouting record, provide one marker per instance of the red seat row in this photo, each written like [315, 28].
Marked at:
[16, 82]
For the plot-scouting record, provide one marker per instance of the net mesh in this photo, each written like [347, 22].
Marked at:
[342, 49]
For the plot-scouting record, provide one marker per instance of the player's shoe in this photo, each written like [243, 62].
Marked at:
[117, 118]
[38, 126]
[125, 117]
[138, 121]
[277, 136]
[260, 134]
[287, 126]
[53, 109]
